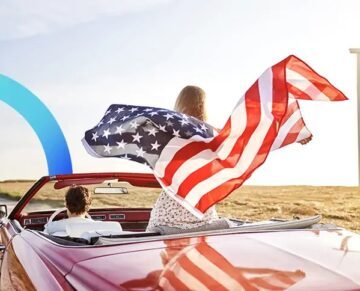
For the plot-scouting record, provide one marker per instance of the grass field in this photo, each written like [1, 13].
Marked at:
[338, 205]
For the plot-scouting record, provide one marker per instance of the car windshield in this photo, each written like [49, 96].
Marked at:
[108, 194]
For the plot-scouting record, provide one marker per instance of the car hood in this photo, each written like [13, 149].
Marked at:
[293, 260]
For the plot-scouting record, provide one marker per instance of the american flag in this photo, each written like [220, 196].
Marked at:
[193, 264]
[197, 166]
[201, 267]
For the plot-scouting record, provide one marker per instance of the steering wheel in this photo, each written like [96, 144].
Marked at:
[58, 211]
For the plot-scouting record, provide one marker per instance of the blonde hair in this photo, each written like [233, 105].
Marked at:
[191, 101]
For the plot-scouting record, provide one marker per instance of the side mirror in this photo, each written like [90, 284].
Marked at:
[3, 211]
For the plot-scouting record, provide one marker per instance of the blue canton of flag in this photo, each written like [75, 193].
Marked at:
[140, 133]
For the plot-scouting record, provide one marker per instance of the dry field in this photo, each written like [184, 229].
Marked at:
[338, 205]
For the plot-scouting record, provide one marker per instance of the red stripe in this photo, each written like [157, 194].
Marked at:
[293, 132]
[298, 94]
[191, 149]
[200, 274]
[174, 281]
[290, 110]
[218, 260]
[280, 96]
[321, 83]
[252, 99]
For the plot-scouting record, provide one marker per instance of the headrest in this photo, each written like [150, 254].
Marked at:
[76, 229]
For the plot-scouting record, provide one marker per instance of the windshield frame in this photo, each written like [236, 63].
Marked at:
[135, 179]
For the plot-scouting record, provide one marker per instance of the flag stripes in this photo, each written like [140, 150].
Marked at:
[200, 267]
[268, 117]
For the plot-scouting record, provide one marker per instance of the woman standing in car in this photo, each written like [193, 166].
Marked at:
[167, 211]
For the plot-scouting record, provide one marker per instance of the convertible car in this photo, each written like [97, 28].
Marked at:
[118, 254]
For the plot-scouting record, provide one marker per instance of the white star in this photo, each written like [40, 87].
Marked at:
[133, 109]
[107, 112]
[152, 131]
[169, 123]
[188, 133]
[139, 114]
[148, 109]
[184, 122]
[185, 116]
[125, 117]
[107, 149]
[111, 120]
[106, 133]
[137, 137]
[197, 129]
[120, 109]
[203, 127]
[134, 124]
[162, 128]
[140, 152]
[176, 133]
[125, 157]
[121, 144]
[119, 130]
[168, 116]
[94, 136]
[100, 123]
[153, 113]
[155, 146]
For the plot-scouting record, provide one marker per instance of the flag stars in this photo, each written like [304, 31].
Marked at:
[125, 157]
[119, 130]
[155, 146]
[107, 149]
[168, 116]
[136, 137]
[188, 133]
[148, 109]
[153, 113]
[184, 122]
[176, 133]
[120, 109]
[125, 117]
[197, 129]
[121, 144]
[140, 152]
[203, 127]
[134, 124]
[133, 109]
[106, 133]
[100, 123]
[111, 120]
[95, 136]
[107, 112]
[162, 128]
[184, 116]
[169, 123]
[152, 131]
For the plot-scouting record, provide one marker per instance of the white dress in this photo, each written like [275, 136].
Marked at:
[167, 211]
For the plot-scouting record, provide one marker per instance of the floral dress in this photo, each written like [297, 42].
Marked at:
[167, 211]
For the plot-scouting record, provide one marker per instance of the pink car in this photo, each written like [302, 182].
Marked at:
[272, 255]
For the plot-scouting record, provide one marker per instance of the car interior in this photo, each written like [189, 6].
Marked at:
[120, 211]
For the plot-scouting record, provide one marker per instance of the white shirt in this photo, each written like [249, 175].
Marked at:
[58, 228]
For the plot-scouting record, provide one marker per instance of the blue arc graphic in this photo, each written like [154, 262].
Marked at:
[42, 122]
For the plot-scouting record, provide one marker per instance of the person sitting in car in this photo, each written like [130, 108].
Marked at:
[77, 202]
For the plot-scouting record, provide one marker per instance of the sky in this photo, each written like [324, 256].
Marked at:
[79, 57]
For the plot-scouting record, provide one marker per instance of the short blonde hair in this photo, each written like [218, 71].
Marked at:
[191, 101]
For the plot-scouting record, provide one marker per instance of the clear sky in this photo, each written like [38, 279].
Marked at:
[81, 56]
